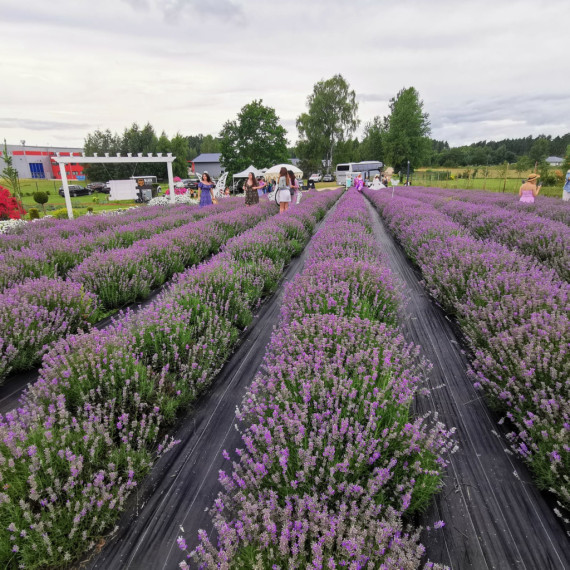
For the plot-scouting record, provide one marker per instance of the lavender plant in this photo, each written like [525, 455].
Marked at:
[332, 463]
[89, 429]
[515, 314]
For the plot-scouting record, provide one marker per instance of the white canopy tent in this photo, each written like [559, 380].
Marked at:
[273, 172]
[245, 173]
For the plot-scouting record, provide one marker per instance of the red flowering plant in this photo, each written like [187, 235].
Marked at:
[10, 209]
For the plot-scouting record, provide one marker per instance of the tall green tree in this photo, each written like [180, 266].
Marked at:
[566, 163]
[10, 176]
[331, 119]
[255, 137]
[372, 145]
[179, 149]
[100, 142]
[408, 130]
[210, 144]
[539, 150]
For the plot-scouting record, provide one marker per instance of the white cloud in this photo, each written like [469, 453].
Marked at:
[484, 69]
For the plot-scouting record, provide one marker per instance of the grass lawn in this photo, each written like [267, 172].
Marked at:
[97, 201]
[490, 184]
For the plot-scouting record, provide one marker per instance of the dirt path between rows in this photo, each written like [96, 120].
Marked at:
[495, 517]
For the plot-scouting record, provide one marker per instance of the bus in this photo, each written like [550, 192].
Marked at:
[368, 168]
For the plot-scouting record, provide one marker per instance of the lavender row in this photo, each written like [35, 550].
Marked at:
[545, 207]
[52, 308]
[93, 424]
[57, 256]
[36, 313]
[47, 229]
[515, 316]
[332, 465]
[544, 239]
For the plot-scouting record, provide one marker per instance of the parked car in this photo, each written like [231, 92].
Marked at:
[190, 183]
[99, 187]
[315, 177]
[328, 178]
[76, 190]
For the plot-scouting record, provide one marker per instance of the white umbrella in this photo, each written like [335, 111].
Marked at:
[273, 172]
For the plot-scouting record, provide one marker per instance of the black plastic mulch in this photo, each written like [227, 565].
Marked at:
[495, 516]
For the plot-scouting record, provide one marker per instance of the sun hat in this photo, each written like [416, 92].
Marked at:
[533, 177]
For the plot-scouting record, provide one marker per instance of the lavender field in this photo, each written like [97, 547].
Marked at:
[503, 272]
[326, 456]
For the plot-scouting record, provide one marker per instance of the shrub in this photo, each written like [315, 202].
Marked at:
[34, 214]
[61, 213]
[41, 198]
[9, 207]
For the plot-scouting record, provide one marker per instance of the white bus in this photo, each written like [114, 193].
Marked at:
[368, 169]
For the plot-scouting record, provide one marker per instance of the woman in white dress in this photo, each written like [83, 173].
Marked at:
[283, 189]
[376, 184]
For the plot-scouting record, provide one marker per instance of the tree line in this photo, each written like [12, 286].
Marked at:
[325, 138]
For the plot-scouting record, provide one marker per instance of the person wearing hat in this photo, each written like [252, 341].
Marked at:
[529, 190]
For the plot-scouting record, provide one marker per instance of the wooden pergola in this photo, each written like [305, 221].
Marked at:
[63, 160]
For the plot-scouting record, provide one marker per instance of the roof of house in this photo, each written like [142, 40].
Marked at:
[208, 157]
[554, 159]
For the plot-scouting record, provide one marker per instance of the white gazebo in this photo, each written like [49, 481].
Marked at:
[169, 159]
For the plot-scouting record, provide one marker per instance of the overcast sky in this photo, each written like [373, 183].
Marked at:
[485, 69]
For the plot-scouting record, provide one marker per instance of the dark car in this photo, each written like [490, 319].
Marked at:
[191, 183]
[328, 178]
[76, 190]
[99, 187]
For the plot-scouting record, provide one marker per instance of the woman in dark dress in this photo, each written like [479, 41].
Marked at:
[251, 195]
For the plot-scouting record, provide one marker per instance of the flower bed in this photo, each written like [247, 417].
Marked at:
[36, 313]
[515, 315]
[90, 428]
[542, 238]
[106, 281]
[332, 462]
[545, 207]
[56, 256]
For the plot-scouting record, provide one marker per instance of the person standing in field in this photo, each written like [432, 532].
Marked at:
[529, 190]
[250, 187]
[566, 188]
[348, 181]
[376, 184]
[294, 184]
[283, 189]
[206, 190]
[359, 183]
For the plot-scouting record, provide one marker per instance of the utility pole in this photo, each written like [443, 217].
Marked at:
[25, 157]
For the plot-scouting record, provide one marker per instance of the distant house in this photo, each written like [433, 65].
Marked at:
[554, 160]
[209, 162]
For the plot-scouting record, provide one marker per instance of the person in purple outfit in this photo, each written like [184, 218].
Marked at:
[529, 190]
[206, 190]
[359, 183]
